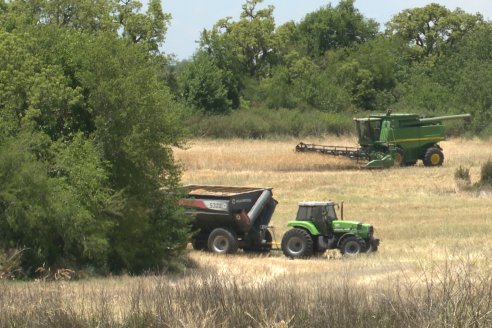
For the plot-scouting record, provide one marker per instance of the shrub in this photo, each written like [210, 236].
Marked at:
[462, 177]
[486, 173]
[261, 123]
[10, 264]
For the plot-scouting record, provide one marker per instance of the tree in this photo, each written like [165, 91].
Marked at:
[88, 177]
[432, 27]
[335, 27]
[243, 47]
[205, 86]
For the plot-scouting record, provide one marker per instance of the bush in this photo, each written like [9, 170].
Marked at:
[262, 123]
[462, 177]
[10, 264]
[486, 173]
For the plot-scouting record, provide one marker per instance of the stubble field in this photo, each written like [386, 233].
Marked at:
[432, 268]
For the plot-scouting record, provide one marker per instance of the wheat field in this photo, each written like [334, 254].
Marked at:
[432, 268]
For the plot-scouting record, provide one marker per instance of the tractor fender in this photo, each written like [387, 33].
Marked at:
[343, 237]
[306, 225]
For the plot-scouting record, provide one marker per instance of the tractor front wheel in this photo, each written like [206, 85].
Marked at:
[222, 241]
[297, 243]
[433, 157]
[352, 245]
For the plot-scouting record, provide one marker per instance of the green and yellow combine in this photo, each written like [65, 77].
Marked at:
[393, 139]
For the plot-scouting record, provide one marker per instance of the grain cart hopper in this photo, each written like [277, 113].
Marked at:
[228, 218]
[393, 139]
[317, 229]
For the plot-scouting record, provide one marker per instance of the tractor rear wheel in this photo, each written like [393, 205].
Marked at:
[433, 157]
[353, 245]
[222, 241]
[297, 243]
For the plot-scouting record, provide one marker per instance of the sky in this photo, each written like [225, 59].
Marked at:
[190, 17]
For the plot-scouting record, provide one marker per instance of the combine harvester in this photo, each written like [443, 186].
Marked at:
[226, 219]
[393, 139]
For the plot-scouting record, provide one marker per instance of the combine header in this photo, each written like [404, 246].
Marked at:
[393, 139]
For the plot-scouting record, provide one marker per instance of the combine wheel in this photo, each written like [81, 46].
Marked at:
[352, 245]
[297, 243]
[400, 157]
[222, 241]
[433, 157]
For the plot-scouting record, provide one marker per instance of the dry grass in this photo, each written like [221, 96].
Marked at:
[432, 268]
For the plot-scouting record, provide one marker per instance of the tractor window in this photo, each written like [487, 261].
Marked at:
[369, 129]
[330, 213]
[303, 213]
[308, 213]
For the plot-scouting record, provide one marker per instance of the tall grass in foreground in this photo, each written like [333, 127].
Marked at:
[453, 294]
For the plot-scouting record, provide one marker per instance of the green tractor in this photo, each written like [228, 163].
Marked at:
[317, 229]
[393, 139]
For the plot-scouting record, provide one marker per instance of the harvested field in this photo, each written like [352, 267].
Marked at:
[432, 268]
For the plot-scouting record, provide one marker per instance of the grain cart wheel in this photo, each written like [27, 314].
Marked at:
[297, 243]
[433, 157]
[352, 245]
[400, 157]
[222, 241]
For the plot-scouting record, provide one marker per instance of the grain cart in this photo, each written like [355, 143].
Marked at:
[393, 139]
[317, 229]
[228, 218]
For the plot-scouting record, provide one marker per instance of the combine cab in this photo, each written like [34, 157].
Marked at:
[393, 139]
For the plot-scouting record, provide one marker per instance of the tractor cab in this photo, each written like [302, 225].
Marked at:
[368, 130]
[321, 213]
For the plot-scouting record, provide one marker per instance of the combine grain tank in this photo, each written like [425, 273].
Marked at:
[228, 218]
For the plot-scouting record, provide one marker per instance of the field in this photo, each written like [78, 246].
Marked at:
[432, 268]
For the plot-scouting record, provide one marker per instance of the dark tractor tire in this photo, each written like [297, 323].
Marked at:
[433, 157]
[297, 243]
[400, 157]
[222, 241]
[263, 248]
[352, 245]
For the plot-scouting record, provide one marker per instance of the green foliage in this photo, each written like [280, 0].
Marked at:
[246, 46]
[86, 129]
[263, 123]
[203, 85]
[335, 27]
[432, 27]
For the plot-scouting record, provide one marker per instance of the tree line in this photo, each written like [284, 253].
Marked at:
[429, 60]
[91, 108]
